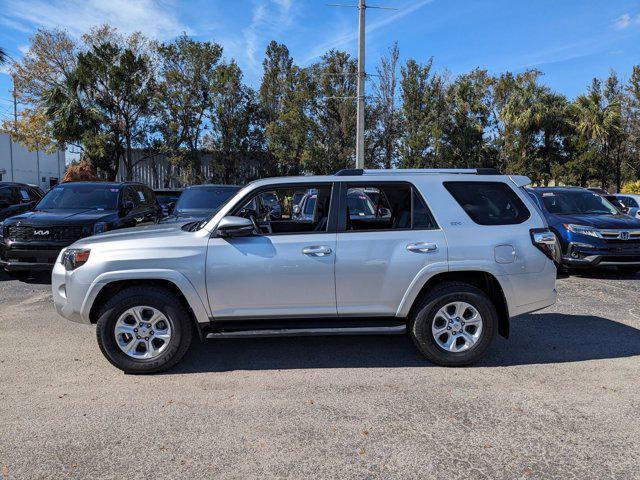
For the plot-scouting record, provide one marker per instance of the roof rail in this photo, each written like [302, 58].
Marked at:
[401, 171]
[349, 171]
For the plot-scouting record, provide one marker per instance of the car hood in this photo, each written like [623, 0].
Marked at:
[62, 216]
[137, 234]
[598, 221]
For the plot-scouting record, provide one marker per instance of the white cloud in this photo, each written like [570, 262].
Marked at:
[154, 18]
[269, 18]
[346, 36]
[622, 22]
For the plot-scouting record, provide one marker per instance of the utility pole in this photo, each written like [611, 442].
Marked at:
[15, 124]
[362, 7]
[362, 76]
[15, 106]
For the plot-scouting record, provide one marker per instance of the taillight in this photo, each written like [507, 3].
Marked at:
[545, 240]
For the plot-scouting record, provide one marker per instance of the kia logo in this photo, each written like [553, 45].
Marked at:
[624, 236]
[41, 232]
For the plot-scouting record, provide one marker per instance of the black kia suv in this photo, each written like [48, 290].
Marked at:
[32, 240]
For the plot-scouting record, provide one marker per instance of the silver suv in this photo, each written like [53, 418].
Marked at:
[446, 255]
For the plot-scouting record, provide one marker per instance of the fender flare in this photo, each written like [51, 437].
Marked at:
[430, 271]
[177, 278]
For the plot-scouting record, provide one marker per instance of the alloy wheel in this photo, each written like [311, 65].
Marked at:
[457, 327]
[143, 332]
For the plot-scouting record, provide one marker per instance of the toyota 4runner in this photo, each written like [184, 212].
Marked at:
[448, 256]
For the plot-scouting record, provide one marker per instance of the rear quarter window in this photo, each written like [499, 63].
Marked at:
[489, 203]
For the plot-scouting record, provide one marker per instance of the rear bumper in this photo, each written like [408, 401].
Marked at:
[585, 255]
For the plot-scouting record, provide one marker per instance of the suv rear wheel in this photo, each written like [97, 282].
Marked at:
[144, 330]
[454, 324]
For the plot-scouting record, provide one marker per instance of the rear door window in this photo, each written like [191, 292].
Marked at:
[385, 206]
[489, 203]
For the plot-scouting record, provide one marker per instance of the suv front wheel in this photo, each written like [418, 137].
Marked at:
[454, 324]
[144, 330]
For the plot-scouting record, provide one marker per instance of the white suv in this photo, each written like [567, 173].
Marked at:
[446, 255]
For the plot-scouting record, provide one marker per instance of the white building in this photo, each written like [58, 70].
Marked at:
[18, 164]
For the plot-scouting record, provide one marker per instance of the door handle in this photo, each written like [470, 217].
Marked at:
[422, 247]
[317, 250]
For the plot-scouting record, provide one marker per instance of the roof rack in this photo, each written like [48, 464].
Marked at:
[400, 171]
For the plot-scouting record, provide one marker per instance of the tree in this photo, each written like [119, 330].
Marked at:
[3, 56]
[597, 119]
[278, 80]
[387, 122]
[111, 90]
[632, 114]
[187, 79]
[81, 171]
[46, 66]
[284, 101]
[534, 125]
[423, 115]
[331, 145]
[469, 101]
[231, 116]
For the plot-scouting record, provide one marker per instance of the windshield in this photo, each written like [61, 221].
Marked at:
[85, 197]
[578, 202]
[204, 198]
[359, 204]
[164, 198]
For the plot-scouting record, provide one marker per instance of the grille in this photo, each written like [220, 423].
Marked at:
[614, 235]
[57, 233]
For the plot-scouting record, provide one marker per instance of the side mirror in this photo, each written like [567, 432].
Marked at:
[296, 210]
[384, 212]
[170, 207]
[235, 227]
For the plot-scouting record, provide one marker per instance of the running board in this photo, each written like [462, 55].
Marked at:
[305, 332]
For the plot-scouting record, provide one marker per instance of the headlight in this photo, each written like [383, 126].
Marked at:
[73, 258]
[100, 227]
[581, 229]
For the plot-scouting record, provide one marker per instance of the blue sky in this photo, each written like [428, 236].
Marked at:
[570, 41]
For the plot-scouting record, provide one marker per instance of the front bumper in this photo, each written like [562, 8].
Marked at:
[607, 254]
[16, 259]
[68, 295]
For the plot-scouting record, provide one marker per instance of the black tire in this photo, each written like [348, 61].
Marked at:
[423, 315]
[628, 269]
[159, 298]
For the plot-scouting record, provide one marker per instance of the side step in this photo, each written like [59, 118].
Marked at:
[311, 331]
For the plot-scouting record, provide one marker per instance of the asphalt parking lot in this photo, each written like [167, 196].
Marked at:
[560, 399]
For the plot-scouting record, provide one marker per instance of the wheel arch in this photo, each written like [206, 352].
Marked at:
[485, 281]
[106, 287]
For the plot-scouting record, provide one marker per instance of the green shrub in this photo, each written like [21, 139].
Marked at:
[631, 187]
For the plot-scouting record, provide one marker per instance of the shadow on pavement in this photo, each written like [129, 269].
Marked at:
[600, 273]
[535, 339]
[37, 277]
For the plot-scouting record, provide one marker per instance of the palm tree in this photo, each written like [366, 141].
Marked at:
[598, 122]
[3, 56]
